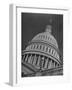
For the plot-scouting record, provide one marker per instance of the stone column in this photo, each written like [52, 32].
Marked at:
[42, 60]
[34, 60]
[51, 51]
[38, 63]
[54, 64]
[50, 64]
[23, 58]
[46, 63]
[30, 59]
[26, 59]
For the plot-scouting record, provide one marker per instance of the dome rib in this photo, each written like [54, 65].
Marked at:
[46, 37]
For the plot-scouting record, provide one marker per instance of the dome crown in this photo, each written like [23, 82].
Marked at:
[48, 28]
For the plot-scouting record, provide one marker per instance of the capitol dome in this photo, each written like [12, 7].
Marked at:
[46, 37]
[42, 52]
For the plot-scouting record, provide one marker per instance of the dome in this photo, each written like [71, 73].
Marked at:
[42, 52]
[46, 37]
[45, 44]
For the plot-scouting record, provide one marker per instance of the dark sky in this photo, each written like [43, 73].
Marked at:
[32, 24]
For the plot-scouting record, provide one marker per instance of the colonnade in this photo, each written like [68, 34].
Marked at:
[39, 61]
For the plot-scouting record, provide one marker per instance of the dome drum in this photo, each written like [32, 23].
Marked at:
[40, 61]
[43, 48]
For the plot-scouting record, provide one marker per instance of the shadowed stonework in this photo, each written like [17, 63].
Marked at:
[41, 55]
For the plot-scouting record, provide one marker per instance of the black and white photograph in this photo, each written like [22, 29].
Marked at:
[41, 44]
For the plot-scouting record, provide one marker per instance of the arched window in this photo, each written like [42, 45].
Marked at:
[49, 50]
[46, 49]
[40, 47]
[46, 36]
[52, 51]
[34, 46]
[43, 36]
[43, 48]
[31, 46]
[37, 46]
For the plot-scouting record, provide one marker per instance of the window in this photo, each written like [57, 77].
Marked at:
[46, 49]
[40, 47]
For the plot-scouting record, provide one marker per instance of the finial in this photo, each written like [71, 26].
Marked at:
[48, 28]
